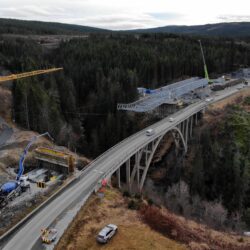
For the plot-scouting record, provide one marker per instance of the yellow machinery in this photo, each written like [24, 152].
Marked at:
[27, 74]
[48, 235]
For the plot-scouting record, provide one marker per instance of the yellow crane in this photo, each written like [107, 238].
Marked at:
[27, 74]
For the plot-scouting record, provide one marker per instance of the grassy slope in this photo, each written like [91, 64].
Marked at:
[132, 232]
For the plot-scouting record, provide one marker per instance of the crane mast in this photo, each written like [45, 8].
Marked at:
[204, 61]
[27, 74]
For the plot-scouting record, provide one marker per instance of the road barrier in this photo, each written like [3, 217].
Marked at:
[41, 184]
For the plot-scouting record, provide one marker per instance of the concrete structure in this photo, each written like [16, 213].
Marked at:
[50, 158]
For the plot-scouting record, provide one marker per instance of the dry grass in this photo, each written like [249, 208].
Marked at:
[132, 232]
[231, 99]
[196, 236]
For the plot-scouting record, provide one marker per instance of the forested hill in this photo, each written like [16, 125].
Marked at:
[78, 106]
[14, 26]
[236, 29]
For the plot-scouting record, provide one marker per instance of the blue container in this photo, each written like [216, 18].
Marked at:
[8, 187]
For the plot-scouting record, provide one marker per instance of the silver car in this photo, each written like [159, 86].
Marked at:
[106, 233]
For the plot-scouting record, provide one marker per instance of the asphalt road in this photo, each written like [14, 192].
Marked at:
[28, 236]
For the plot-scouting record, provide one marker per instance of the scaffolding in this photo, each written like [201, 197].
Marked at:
[169, 94]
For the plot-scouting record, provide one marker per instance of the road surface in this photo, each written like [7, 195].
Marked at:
[28, 236]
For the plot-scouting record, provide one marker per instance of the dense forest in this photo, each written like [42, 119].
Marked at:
[78, 105]
[221, 168]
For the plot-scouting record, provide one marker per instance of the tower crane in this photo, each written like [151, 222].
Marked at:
[27, 74]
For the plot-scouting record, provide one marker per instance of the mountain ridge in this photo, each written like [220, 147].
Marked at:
[232, 29]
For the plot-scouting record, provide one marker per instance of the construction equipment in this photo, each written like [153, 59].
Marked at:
[14, 188]
[48, 235]
[27, 74]
[204, 61]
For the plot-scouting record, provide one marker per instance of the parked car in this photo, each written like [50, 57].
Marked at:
[150, 132]
[106, 233]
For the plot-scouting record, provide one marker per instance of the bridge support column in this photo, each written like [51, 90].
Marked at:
[196, 118]
[118, 175]
[191, 126]
[186, 131]
[145, 169]
[128, 174]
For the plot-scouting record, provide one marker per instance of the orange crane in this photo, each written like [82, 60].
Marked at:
[27, 74]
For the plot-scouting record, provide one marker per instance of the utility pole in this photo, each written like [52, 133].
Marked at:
[204, 61]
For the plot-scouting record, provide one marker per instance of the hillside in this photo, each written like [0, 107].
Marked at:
[149, 227]
[236, 29]
[14, 26]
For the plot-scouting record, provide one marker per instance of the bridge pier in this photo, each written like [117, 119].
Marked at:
[128, 180]
[138, 164]
[118, 175]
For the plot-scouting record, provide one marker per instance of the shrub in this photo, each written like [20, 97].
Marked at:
[134, 205]
[137, 196]
[126, 194]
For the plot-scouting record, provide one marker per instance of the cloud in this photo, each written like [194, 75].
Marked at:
[126, 14]
[118, 21]
[234, 18]
[166, 15]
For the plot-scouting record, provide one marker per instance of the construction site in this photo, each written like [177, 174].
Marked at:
[32, 167]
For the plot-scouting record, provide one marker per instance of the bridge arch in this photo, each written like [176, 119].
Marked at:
[159, 139]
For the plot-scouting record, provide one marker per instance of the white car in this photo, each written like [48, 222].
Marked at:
[150, 132]
[209, 99]
[106, 233]
[171, 119]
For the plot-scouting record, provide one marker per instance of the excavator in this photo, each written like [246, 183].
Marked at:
[12, 189]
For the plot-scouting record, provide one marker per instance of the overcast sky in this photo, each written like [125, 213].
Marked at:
[128, 14]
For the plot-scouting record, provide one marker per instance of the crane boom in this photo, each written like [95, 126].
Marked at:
[204, 61]
[27, 74]
[22, 158]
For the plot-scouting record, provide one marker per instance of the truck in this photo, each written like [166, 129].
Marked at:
[48, 235]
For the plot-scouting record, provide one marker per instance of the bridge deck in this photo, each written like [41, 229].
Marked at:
[165, 95]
